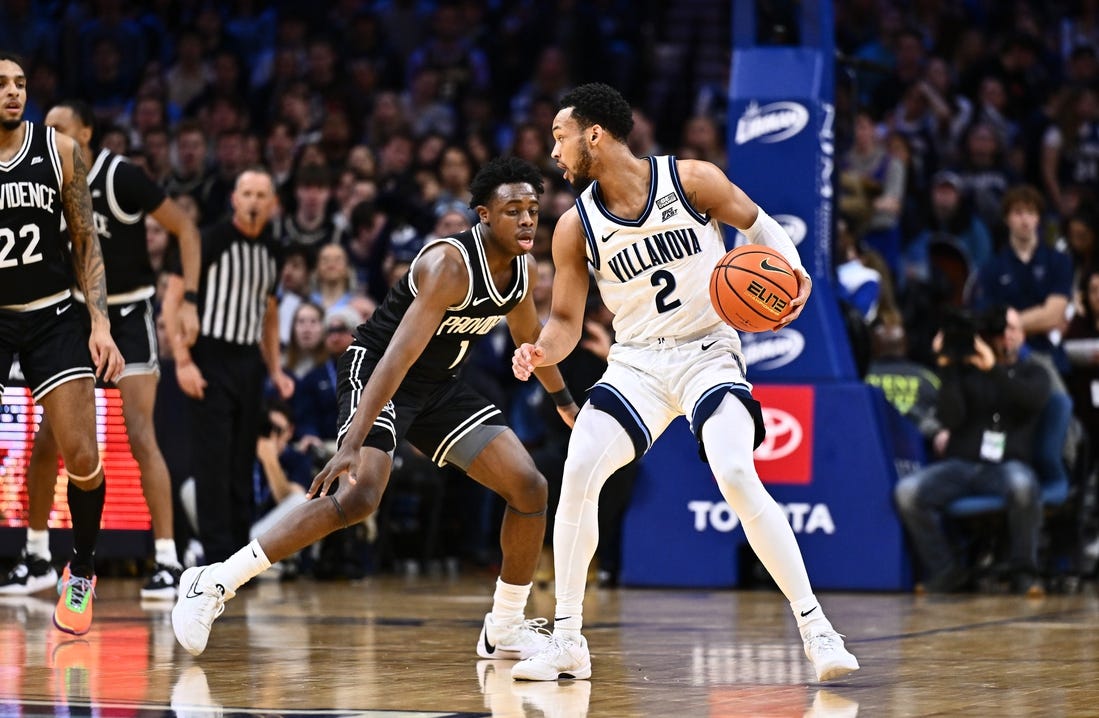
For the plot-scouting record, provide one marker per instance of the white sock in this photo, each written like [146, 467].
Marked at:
[241, 567]
[509, 602]
[38, 543]
[166, 552]
[808, 613]
[567, 622]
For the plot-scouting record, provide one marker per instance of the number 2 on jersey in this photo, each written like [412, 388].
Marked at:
[665, 279]
[7, 236]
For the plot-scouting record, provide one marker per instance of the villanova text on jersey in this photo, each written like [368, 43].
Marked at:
[653, 251]
[649, 270]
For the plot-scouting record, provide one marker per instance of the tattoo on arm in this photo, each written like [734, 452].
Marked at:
[87, 256]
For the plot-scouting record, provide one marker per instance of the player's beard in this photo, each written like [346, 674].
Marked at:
[11, 125]
[581, 176]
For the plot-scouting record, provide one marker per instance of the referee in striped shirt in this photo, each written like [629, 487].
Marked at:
[222, 374]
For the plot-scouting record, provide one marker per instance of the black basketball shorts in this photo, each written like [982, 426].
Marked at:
[51, 343]
[448, 421]
[134, 332]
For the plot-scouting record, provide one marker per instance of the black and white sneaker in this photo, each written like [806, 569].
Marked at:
[31, 575]
[163, 584]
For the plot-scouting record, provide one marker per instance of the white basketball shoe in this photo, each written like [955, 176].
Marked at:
[560, 659]
[825, 650]
[512, 643]
[200, 602]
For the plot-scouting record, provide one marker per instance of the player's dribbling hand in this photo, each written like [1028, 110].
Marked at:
[805, 287]
[105, 355]
[525, 359]
[345, 461]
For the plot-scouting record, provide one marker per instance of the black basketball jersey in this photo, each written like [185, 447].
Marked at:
[122, 194]
[34, 262]
[482, 309]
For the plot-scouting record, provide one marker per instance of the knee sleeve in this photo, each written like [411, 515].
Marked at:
[599, 446]
[728, 435]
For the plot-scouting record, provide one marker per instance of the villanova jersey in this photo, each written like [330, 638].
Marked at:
[34, 261]
[121, 196]
[653, 272]
[483, 307]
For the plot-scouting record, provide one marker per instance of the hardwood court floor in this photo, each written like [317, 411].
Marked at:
[397, 647]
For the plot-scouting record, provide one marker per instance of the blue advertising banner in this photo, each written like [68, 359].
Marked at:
[837, 496]
[781, 152]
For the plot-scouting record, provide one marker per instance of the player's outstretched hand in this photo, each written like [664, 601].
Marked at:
[345, 461]
[105, 355]
[526, 358]
[805, 286]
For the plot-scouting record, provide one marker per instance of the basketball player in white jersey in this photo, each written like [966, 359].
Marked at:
[649, 229]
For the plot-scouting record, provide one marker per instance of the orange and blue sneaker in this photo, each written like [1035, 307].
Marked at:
[74, 609]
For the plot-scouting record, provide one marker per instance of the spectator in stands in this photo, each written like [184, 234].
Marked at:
[306, 348]
[311, 222]
[877, 179]
[1082, 347]
[985, 173]
[334, 281]
[909, 386]
[1082, 239]
[314, 399]
[284, 473]
[1028, 275]
[951, 222]
[989, 403]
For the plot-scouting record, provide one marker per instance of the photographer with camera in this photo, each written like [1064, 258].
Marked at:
[989, 403]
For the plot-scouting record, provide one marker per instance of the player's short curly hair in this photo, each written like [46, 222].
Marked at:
[500, 171]
[599, 104]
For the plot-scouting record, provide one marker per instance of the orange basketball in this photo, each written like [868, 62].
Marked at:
[752, 287]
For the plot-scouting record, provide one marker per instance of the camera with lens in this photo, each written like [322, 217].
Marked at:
[960, 329]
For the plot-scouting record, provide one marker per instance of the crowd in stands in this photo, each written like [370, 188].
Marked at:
[373, 115]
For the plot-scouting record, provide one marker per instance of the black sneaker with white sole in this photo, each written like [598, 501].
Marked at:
[163, 584]
[31, 575]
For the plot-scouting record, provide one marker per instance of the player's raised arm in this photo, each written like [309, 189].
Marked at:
[570, 291]
[524, 326]
[87, 256]
[712, 194]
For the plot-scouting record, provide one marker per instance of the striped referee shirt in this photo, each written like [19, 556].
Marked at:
[238, 275]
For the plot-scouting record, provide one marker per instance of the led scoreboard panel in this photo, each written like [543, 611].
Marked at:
[19, 419]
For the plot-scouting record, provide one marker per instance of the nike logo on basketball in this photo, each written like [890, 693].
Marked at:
[62, 310]
[482, 300]
[707, 346]
[806, 613]
[125, 311]
[606, 237]
[765, 264]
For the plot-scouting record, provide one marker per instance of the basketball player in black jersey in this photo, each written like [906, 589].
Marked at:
[43, 177]
[400, 379]
[122, 194]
